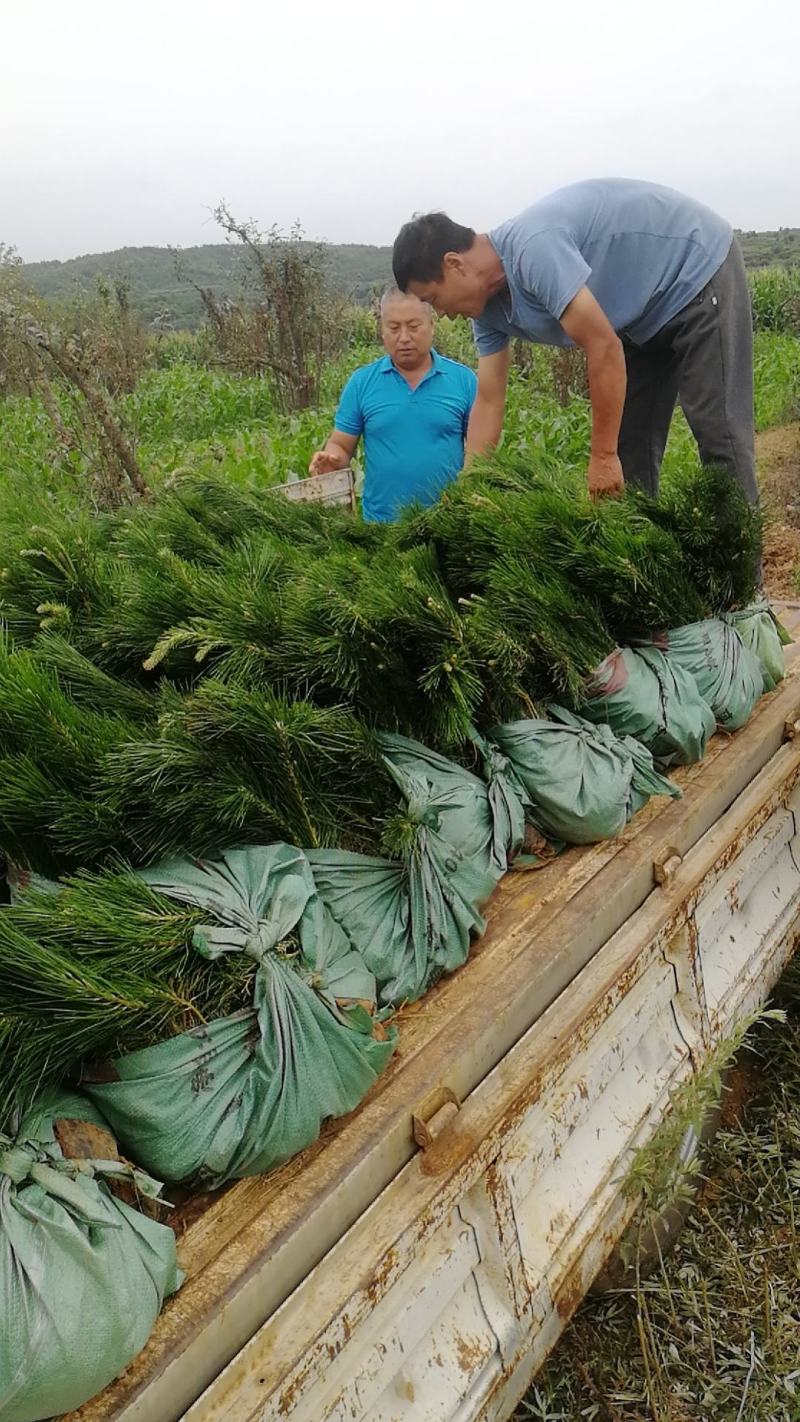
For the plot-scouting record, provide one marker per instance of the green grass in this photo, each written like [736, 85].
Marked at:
[776, 379]
[775, 294]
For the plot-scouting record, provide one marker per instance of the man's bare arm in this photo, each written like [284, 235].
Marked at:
[588, 326]
[337, 453]
[486, 417]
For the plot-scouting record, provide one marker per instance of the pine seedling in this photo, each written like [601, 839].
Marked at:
[561, 634]
[463, 528]
[88, 686]
[237, 616]
[144, 530]
[325, 766]
[102, 966]
[232, 766]
[331, 648]
[719, 532]
[230, 512]
[55, 576]
[51, 751]
[405, 598]
[633, 570]
[180, 617]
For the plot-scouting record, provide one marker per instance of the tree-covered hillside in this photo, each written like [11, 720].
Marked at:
[163, 284]
[160, 294]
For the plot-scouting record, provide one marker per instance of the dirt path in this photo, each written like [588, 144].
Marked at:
[778, 460]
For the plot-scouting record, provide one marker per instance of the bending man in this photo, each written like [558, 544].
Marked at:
[412, 407]
[648, 282]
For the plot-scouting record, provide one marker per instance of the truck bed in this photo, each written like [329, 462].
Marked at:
[496, 1036]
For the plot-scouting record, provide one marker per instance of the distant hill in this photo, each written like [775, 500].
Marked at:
[354, 270]
[156, 288]
[771, 249]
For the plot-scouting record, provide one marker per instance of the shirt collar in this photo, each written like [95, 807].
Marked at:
[385, 364]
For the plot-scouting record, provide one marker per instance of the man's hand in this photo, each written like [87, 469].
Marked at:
[324, 462]
[605, 476]
[339, 450]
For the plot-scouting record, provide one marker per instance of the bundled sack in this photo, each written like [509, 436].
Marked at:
[727, 673]
[764, 636]
[483, 822]
[583, 782]
[639, 693]
[247, 1091]
[414, 918]
[83, 1275]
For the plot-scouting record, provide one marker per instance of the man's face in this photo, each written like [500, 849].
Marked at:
[407, 330]
[458, 292]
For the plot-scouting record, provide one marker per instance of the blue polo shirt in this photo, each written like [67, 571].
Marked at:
[413, 439]
[644, 251]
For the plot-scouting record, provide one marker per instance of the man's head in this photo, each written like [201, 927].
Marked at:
[406, 328]
[441, 262]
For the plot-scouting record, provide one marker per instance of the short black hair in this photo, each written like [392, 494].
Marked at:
[420, 245]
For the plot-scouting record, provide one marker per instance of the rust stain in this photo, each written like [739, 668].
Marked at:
[570, 1294]
[381, 1276]
[470, 1352]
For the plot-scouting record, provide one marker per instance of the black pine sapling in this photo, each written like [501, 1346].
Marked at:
[103, 965]
[60, 575]
[233, 766]
[538, 637]
[51, 754]
[719, 532]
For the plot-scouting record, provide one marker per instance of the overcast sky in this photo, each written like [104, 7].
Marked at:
[123, 123]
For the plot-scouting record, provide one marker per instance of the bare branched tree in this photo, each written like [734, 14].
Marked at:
[285, 324]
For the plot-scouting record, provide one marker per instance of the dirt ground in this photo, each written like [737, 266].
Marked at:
[778, 460]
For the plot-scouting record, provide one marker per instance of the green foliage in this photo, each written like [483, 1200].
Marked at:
[54, 575]
[354, 270]
[93, 767]
[103, 965]
[160, 297]
[777, 379]
[718, 531]
[775, 293]
[659, 1175]
[51, 751]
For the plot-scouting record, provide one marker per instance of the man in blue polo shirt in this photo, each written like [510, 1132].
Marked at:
[412, 407]
[649, 282]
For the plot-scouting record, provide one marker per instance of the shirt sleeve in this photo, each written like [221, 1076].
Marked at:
[488, 340]
[349, 417]
[551, 268]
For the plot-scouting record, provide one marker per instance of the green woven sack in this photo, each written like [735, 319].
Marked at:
[728, 674]
[639, 693]
[247, 1091]
[82, 1275]
[414, 918]
[582, 781]
[411, 921]
[763, 634]
[482, 819]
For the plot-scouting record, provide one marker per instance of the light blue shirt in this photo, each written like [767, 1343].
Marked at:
[643, 251]
[413, 439]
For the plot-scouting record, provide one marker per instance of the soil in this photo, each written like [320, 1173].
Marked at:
[778, 460]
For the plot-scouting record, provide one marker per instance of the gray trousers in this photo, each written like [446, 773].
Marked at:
[704, 357]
